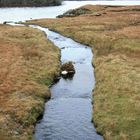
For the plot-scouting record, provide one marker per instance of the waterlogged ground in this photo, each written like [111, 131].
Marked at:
[68, 114]
[114, 35]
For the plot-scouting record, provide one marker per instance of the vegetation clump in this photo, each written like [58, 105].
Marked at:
[67, 70]
[68, 67]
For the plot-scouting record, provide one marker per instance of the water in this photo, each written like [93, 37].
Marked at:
[22, 14]
[68, 113]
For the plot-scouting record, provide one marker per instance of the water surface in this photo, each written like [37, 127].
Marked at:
[68, 113]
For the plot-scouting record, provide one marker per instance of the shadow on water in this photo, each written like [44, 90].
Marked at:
[68, 113]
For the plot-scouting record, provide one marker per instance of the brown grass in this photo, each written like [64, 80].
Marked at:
[28, 64]
[115, 39]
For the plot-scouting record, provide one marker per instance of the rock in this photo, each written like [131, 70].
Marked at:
[64, 72]
[68, 67]
[67, 70]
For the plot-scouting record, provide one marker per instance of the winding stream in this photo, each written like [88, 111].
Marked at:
[68, 113]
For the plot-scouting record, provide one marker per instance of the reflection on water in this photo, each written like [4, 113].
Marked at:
[21, 14]
[68, 114]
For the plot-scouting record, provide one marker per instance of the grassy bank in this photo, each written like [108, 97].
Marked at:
[114, 35]
[28, 64]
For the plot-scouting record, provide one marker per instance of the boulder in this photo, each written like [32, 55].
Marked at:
[67, 69]
[64, 72]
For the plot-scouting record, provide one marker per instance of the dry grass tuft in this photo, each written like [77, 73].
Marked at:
[115, 39]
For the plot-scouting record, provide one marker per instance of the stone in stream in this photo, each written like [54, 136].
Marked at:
[67, 70]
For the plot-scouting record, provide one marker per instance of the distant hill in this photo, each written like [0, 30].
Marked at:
[30, 3]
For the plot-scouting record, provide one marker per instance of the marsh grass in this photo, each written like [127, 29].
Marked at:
[115, 39]
[28, 64]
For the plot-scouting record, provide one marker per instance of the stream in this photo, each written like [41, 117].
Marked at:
[68, 113]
